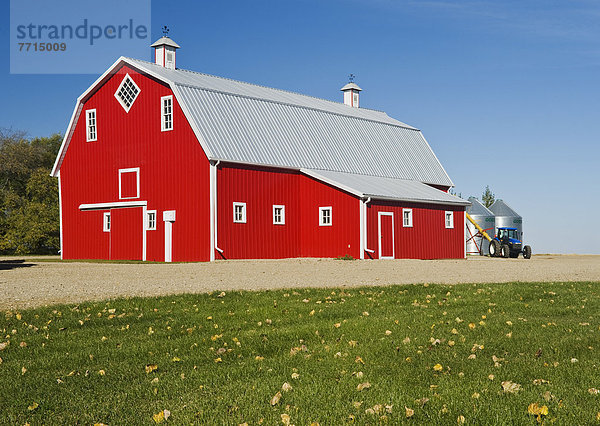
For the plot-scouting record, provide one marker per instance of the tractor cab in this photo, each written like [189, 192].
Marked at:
[507, 243]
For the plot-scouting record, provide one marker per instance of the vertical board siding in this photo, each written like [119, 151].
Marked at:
[301, 236]
[427, 239]
[174, 173]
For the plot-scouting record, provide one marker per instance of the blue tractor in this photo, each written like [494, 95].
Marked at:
[507, 243]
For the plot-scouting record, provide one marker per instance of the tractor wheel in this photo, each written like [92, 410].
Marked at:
[527, 252]
[505, 251]
[494, 248]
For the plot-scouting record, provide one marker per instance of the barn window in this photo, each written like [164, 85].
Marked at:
[166, 103]
[106, 222]
[449, 219]
[151, 220]
[127, 92]
[324, 216]
[129, 183]
[278, 215]
[92, 134]
[239, 212]
[407, 218]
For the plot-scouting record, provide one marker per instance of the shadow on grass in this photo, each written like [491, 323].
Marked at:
[14, 264]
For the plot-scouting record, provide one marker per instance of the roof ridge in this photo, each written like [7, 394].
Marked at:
[223, 92]
[261, 86]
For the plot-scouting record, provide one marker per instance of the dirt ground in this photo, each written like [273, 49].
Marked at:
[26, 283]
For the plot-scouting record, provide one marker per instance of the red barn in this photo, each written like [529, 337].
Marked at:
[165, 164]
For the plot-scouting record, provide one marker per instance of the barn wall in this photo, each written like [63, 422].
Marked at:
[174, 173]
[427, 239]
[301, 236]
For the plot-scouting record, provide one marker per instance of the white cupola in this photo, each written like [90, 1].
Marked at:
[164, 50]
[351, 93]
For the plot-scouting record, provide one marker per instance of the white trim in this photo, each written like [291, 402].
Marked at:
[116, 94]
[212, 174]
[162, 113]
[410, 218]
[113, 205]
[144, 239]
[243, 205]
[135, 170]
[88, 138]
[282, 207]
[60, 216]
[321, 210]
[147, 220]
[446, 219]
[393, 237]
[106, 221]
[168, 241]
[465, 236]
[361, 216]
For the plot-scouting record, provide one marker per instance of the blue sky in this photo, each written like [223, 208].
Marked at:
[506, 93]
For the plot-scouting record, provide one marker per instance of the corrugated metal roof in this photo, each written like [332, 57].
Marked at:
[500, 208]
[478, 209]
[242, 122]
[386, 188]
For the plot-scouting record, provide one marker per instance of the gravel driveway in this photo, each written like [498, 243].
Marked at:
[26, 283]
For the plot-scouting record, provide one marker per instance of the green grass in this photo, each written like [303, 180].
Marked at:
[67, 346]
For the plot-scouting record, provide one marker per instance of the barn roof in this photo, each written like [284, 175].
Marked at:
[386, 188]
[246, 123]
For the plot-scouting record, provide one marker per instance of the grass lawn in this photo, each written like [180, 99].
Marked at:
[420, 353]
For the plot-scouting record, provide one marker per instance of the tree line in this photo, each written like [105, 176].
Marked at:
[29, 216]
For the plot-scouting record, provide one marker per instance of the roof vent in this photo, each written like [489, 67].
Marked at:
[164, 50]
[351, 92]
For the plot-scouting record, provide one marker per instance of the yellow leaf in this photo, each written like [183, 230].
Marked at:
[102, 372]
[150, 368]
[285, 419]
[359, 360]
[276, 398]
[23, 371]
[259, 358]
[218, 359]
[471, 326]
[409, 412]
[535, 410]
[460, 420]
[337, 325]
[176, 359]
[295, 376]
[159, 417]
[33, 406]
[18, 316]
[286, 387]
[311, 313]
[438, 367]
[352, 343]
[363, 386]
[388, 332]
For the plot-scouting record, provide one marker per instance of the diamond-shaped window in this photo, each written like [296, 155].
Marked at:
[127, 92]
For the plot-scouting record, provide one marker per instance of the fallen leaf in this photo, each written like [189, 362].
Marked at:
[438, 367]
[285, 419]
[295, 376]
[460, 420]
[23, 371]
[510, 387]
[363, 386]
[337, 325]
[102, 372]
[388, 332]
[33, 406]
[3, 345]
[159, 417]
[406, 340]
[409, 412]
[535, 410]
[276, 398]
[218, 359]
[421, 402]
[286, 387]
[359, 360]
[352, 343]
[538, 382]
[593, 391]
[176, 359]
[150, 368]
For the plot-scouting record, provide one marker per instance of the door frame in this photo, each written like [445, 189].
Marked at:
[391, 214]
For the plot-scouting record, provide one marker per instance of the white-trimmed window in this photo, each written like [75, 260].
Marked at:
[324, 216]
[239, 212]
[278, 215]
[129, 183]
[449, 219]
[92, 129]
[166, 113]
[151, 220]
[106, 221]
[407, 218]
[127, 92]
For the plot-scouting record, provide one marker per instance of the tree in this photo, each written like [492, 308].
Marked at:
[29, 219]
[488, 197]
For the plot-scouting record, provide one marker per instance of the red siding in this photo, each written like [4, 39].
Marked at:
[427, 239]
[174, 173]
[301, 236]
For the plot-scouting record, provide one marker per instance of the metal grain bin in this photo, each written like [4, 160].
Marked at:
[506, 217]
[476, 244]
